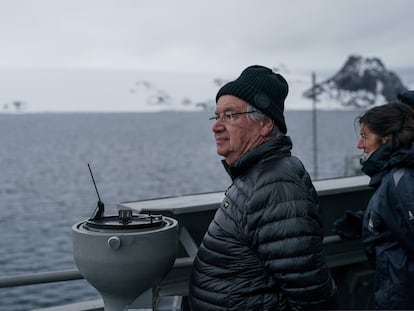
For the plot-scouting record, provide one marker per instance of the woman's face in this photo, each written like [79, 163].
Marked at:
[368, 141]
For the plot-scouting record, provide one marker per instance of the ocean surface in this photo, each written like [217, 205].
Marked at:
[45, 186]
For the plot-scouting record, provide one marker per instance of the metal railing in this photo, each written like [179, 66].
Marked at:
[74, 274]
[65, 275]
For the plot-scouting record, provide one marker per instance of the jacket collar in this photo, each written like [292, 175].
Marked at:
[383, 160]
[277, 147]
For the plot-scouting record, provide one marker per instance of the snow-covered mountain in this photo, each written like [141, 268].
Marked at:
[360, 83]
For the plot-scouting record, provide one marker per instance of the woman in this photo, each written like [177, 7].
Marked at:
[387, 135]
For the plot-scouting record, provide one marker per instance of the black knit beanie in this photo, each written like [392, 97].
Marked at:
[263, 89]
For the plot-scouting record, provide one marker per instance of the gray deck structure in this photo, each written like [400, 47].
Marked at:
[346, 259]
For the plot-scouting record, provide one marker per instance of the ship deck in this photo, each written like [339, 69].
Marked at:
[194, 212]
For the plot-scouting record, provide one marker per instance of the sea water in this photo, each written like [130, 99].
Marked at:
[45, 185]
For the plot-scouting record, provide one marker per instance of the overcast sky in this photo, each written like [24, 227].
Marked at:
[204, 36]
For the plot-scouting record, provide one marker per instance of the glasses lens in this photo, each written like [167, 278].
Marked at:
[227, 117]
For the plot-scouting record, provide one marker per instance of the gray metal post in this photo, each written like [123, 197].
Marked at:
[314, 128]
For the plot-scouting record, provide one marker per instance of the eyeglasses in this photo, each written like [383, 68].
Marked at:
[228, 117]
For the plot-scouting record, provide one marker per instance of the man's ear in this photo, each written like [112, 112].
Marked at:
[267, 126]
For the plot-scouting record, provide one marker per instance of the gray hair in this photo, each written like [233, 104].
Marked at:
[259, 116]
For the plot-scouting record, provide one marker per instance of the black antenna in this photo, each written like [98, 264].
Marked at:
[100, 208]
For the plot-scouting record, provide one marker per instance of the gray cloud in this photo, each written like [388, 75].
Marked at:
[214, 35]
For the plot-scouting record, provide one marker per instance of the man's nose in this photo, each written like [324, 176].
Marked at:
[217, 126]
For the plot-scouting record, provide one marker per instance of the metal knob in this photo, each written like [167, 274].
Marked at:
[114, 242]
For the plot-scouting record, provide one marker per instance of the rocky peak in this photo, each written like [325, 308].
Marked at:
[360, 83]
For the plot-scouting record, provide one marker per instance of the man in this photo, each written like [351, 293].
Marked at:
[263, 250]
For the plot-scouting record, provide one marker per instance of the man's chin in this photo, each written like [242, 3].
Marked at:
[221, 152]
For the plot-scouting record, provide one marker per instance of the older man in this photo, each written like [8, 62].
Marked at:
[263, 250]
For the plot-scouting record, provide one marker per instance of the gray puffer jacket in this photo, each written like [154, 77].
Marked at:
[263, 250]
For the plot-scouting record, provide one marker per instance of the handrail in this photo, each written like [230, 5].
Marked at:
[74, 274]
[65, 275]
[39, 278]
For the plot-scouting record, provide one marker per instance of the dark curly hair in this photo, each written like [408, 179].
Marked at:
[394, 119]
